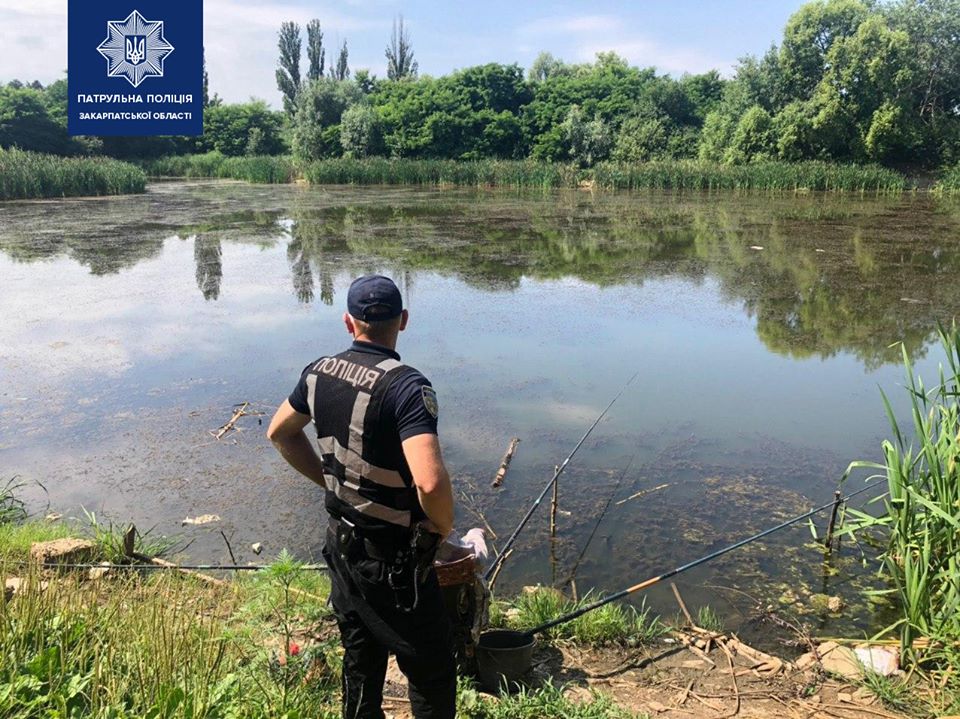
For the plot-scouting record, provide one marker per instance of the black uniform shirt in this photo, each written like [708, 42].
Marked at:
[403, 402]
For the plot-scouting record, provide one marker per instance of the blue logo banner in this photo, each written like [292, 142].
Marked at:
[135, 67]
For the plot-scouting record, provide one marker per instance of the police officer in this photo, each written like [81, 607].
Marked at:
[389, 500]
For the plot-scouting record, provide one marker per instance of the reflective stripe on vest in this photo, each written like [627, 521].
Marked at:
[359, 473]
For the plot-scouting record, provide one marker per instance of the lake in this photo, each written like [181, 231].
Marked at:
[761, 329]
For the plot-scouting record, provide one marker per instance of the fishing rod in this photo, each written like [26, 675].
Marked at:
[192, 567]
[690, 565]
[503, 552]
[583, 552]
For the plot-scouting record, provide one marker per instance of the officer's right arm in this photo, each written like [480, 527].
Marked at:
[422, 452]
[286, 433]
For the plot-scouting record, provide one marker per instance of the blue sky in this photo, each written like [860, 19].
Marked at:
[240, 35]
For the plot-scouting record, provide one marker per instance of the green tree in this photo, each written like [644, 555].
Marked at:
[316, 54]
[544, 67]
[360, 132]
[703, 92]
[933, 27]
[866, 80]
[808, 37]
[588, 141]
[316, 130]
[640, 139]
[365, 81]
[25, 122]
[288, 72]
[717, 132]
[399, 53]
[752, 138]
[793, 129]
[341, 71]
[250, 128]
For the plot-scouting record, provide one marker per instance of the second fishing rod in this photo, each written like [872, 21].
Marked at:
[556, 475]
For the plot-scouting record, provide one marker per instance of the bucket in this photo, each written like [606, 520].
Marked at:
[503, 656]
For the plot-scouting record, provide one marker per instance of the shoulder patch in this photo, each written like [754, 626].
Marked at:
[430, 400]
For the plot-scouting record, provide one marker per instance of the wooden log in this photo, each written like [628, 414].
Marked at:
[505, 463]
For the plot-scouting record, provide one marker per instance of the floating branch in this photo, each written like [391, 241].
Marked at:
[502, 471]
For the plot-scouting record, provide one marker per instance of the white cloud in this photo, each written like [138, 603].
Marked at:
[572, 24]
[644, 53]
[587, 35]
[34, 46]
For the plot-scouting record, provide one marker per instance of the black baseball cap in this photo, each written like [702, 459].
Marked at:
[374, 297]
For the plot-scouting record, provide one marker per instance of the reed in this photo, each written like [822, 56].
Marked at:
[690, 175]
[949, 182]
[799, 177]
[259, 169]
[476, 173]
[30, 175]
[920, 519]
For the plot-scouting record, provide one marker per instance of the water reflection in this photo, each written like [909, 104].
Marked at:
[820, 275]
[208, 256]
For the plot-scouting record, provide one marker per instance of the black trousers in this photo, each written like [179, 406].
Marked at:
[372, 626]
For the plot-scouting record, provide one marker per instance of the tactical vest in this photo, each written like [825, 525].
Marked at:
[367, 478]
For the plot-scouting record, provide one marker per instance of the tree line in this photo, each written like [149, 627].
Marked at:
[849, 81]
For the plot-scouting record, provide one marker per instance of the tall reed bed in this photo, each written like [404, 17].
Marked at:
[30, 175]
[758, 176]
[662, 174]
[476, 173]
[949, 182]
[260, 169]
[921, 514]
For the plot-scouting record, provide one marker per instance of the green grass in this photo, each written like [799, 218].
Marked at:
[12, 508]
[546, 701]
[264, 169]
[16, 538]
[610, 624]
[708, 619]
[949, 182]
[109, 540]
[920, 520]
[29, 175]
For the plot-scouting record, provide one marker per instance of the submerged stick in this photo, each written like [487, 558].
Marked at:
[553, 505]
[828, 540]
[643, 492]
[505, 463]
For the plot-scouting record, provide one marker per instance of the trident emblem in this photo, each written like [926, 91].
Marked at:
[136, 49]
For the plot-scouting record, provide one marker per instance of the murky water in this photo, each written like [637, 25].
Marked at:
[760, 327]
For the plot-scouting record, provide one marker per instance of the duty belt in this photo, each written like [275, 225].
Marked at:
[349, 537]
[407, 564]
